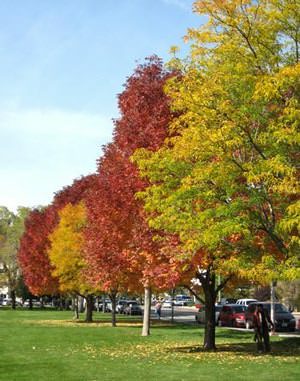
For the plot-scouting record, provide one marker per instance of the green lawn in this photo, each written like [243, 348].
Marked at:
[47, 345]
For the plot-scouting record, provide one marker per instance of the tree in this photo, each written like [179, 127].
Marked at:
[289, 293]
[40, 223]
[32, 254]
[66, 254]
[227, 183]
[23, 292]
[122, 253]
[108, 229]
[11, 230]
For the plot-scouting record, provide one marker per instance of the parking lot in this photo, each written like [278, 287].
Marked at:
[187, 315]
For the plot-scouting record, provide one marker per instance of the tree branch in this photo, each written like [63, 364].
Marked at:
[223, 283]
[194, 293]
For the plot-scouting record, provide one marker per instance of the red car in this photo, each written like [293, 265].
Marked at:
[232, 315]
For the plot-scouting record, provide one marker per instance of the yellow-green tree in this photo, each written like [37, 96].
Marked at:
[11, 230]
[227, 182]
[66, 254]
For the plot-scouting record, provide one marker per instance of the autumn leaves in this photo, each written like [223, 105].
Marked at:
[202, 176]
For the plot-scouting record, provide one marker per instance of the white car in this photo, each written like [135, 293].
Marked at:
[245, 302]
[6, 302]
[182, 300]
[168, 303]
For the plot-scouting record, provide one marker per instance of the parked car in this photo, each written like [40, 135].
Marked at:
[35, 303]
[284, 320]
[246, 302]
[108, 306]
[168, 303]
[227, 301]
[133, 308]
[121, 304]
[232, 315]
[181, 300]
[200, 315]
[100, 305]
[6, 302]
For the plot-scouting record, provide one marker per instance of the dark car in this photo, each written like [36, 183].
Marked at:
[227, 301]
[284, 320]
[232, 315]
[133, 308]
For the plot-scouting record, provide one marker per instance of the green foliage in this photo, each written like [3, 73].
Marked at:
[11, 230]
[227, 180]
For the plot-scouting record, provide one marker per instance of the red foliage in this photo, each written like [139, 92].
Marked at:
[34, 244]
[120, 247]
[32, 256]
[110, 205]
[144, 108]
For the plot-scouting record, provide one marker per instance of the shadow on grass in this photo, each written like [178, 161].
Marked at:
[289, 347]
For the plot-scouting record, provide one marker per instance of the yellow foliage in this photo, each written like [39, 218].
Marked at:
[66, 251]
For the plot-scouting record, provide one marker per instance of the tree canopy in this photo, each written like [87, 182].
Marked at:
[227, 181]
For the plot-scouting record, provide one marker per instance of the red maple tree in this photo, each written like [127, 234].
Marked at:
[34, 262]
[32, 255]
[120, 247]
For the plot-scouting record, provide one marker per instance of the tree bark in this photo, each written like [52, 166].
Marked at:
[208, 285]
[67, 303]
[13, 299]
[61, 306]
[81, 300]
[75, 308]
[103, 305]
[30, 303]
[113, 298]
[89, 308]
[172, 306]
[147, 312]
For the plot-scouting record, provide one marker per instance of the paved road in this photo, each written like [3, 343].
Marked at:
[181, 314]
[187, 315]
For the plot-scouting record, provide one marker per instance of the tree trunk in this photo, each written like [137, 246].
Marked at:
[103, 305]
[61, 307]
[67, 303]
[81, 300]
[13, 299]
[113, 298]
[208, 286]
[172, 306]
[89, 308]
[75, 308]
[30, 303]
[147, 312]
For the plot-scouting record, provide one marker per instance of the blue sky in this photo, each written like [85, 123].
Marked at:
[62, 64]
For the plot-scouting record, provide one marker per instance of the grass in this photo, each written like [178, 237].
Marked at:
[49, 346]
